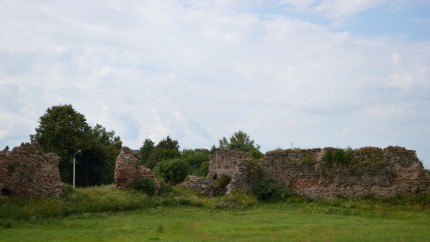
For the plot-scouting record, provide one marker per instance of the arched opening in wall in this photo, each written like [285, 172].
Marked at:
[214, 176]
[220, 186]
[6, 191]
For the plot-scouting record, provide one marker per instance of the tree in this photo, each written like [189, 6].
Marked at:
[198, 160]
[173, 171]
[145, 151]
[164, 150]
[64, 131]
[61, 130]
[98, 157]
[242, 142]
[168, 144]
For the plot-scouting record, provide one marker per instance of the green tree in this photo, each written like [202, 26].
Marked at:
[198, 160]
[164, 150]
[64, 131]
[242, 142]
[168, 144]
[173, 171]
[61, 130]
[98, 157]
[146, 150]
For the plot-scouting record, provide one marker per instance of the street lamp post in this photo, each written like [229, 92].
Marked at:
[74, 167]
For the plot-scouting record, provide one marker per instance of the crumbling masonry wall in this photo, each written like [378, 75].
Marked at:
[27, 171]
[128, 170]
[234, 164]
[371, 172]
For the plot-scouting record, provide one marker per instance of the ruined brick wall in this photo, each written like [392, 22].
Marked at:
[27, 171]
[128, 170]
[371, 172]
[234, 164]
[201, 185]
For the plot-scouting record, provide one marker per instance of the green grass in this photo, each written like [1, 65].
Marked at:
[106, 214]
[280, 222]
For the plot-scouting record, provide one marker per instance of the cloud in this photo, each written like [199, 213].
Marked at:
[300, 4]
[395, 58]
[201, 70]
[342, 9]
[423, 21]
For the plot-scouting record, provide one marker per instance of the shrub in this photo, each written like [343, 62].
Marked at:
[268, 190]
[5, 223]
[165, 187]
[146, 185]
[173, 171]
[340, 156]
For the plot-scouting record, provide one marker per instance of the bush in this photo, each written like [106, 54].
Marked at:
[340, 156]
[165, 187]
[268, 190]
[146, 185]
[173, 171]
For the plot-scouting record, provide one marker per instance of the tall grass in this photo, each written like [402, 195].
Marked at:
[106, 199]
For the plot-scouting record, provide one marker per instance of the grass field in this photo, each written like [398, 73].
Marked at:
[265, 223]
[179, 217]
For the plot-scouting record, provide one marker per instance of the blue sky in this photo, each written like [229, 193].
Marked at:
[304, 73]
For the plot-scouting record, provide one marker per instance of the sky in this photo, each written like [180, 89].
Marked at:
[290, 73]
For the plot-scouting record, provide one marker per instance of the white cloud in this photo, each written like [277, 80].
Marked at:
[300, 4]
[342, 9]
[3, 134]
[201, 70]
[395, 58]
[423, 21]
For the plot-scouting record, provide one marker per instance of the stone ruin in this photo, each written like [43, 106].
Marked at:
[371, 172]
[236, 165]
[27, 171]
[200, 184]
[128, 170]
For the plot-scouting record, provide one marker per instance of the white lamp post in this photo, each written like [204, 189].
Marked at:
[74, 169]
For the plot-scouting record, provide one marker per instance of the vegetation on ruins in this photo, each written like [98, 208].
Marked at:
[64, 131]
[267, 189]
[240, 141]
[337, 156]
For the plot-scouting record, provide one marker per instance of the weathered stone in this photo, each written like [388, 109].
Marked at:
[27, 171]
[371, 172]
[128, 170]
[234, 164]
[199, 184]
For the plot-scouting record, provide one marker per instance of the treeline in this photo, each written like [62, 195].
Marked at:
[65, 131]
